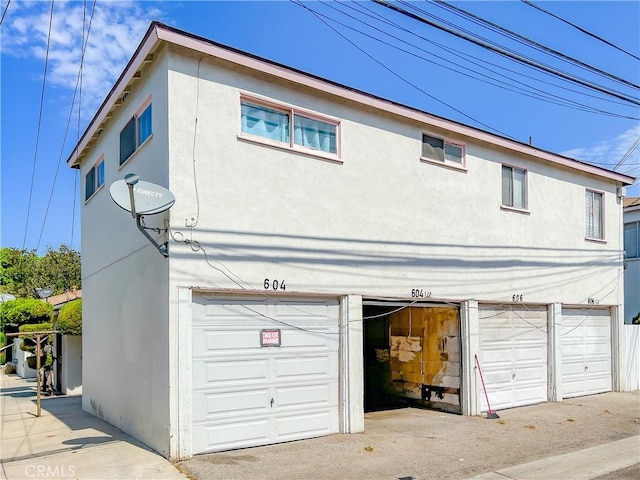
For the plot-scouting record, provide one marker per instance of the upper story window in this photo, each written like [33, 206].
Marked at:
[594, 215]
[136, 132]
[94, 178]
[632, 240]
[289, 127]
[440, 150]
[514, 187]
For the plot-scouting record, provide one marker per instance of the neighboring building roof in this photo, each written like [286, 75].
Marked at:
[159, 33]
[631, 203]
[59, 300]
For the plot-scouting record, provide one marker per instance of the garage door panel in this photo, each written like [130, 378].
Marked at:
[513, 356]
[304, 396]
[586, 352]
[295, 427]
[238, 371]
[212, 404]
[304, 368]
[245, 394]
[212, 436]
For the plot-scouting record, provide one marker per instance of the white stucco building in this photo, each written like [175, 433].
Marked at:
[329, 251]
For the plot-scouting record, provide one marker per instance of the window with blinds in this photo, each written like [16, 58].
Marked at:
[440, 150]
[594, 215]
[514, 187]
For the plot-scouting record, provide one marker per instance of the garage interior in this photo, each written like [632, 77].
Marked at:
[412, 356]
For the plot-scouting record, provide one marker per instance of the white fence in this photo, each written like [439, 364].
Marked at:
[631, 363]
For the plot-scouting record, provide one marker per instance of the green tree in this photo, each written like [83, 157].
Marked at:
[70, 318]
[23, 271]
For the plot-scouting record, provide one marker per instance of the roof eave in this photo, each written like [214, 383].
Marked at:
[159, 32]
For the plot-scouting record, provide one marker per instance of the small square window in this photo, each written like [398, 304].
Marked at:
[440, 150]
[514, 187]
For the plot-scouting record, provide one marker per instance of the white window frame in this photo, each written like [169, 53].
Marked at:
[462, 165]
[137, 142]
[512, 207]
[589, 223]
[97, 184]
[291, 111]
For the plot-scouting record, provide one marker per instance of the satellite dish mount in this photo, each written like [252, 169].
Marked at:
[143, 198]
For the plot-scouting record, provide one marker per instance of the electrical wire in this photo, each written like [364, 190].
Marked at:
[194, 221]
[6, 7]
[471, 59]
[583, 30]
[35, 155]
[538, 94]
[529, 42]
[85, 42]
[301, 4]
[506, 53]
[628, 154]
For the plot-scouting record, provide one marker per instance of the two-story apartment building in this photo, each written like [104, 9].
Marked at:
[329, 252]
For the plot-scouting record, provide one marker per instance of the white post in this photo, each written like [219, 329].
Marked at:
[352, 368]
[554, 352]
[470, 345]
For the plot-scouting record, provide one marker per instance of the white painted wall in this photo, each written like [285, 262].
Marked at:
[382, 222]
[125, 284]
[631, 276]
[631, 364]
[72, 365]
[20, 360]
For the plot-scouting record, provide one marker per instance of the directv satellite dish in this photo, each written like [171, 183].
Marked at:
[142, 198]
[44, 292]
[148, 198]
[6, 297]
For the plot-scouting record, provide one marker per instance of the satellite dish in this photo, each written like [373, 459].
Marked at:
[148, 198]
[143, 198]
[6, 297]
[44, 292]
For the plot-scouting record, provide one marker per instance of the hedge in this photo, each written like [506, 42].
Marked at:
[70, 318]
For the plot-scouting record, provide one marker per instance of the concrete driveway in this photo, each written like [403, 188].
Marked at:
[420, 444]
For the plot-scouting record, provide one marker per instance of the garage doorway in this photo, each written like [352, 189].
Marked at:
[411, 355]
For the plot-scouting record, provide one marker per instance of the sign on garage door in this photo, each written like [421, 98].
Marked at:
[586, 352]
[248, 391]
[513, 355]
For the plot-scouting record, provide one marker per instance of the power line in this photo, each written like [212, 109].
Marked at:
[583, 30]
[5, 11]
[628, 154]
[85, 42]
[528, 90]
[537, 45]
[471, 59]
[35, 156]
[400, 76]
[503, 52]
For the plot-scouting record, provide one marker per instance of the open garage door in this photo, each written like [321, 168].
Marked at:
[586, 351]
[513, 355]
[264, 371]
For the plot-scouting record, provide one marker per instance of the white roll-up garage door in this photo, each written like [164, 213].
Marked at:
[513, 355]
[247, 390]
[586, 351]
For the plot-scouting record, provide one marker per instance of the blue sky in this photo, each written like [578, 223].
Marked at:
[390, 55]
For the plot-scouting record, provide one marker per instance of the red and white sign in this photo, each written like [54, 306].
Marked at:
[270, 338]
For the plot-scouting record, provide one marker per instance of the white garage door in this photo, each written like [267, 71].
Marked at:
[247, 392]
[513, 355]
[586, 352]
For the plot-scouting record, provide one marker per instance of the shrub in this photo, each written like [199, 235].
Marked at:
[70, 318]
[28, 343]
[636, 320]
[3, 343]
[25, 310]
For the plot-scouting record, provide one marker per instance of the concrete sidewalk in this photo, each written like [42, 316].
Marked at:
[66, 442]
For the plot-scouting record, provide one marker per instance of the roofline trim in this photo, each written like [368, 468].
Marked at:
[159, 32]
